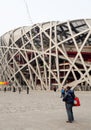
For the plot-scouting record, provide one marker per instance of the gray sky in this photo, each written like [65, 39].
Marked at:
[13, 13]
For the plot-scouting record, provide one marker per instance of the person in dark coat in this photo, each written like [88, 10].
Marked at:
[5, 89]
[14, 89]
[69, 101]
[27, 90]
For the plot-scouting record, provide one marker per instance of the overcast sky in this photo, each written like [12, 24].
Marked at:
[13, 13]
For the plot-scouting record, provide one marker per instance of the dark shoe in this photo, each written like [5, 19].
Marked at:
[69, 121]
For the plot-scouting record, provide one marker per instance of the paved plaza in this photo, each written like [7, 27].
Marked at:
[42, 110]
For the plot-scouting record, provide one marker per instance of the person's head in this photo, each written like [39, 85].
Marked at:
[68, 88]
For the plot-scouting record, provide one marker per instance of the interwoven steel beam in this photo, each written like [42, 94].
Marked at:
[47, 55]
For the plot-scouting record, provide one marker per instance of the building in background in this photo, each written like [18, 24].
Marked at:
[48, 55]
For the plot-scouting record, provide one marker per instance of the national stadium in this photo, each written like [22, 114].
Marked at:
[48, 55]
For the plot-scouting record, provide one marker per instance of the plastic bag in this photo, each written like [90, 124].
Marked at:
[76, 101]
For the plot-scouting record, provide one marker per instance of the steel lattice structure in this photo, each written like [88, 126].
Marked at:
[47, 55]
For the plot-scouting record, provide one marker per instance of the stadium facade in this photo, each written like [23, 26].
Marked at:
[48, 55]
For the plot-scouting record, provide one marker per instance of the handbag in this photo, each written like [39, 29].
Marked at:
[76, 101]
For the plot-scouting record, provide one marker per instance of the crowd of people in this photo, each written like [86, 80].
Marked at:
[14, 89]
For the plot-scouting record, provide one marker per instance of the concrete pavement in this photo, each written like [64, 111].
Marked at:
[42, 110]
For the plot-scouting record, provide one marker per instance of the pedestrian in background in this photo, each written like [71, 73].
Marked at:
[62, 92]
[27, 90]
